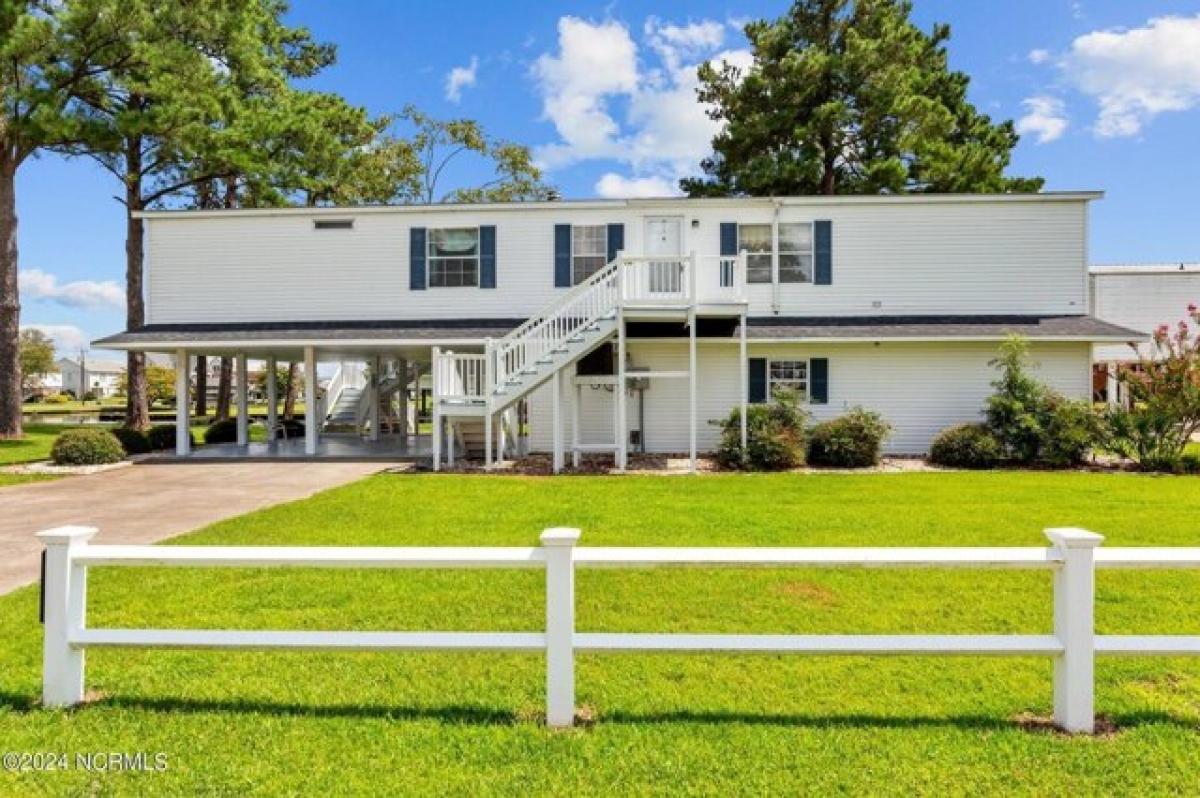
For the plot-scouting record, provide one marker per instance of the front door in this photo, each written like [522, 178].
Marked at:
[664, 236]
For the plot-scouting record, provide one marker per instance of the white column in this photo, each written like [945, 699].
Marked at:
[505, 419]
[1074, 626]
[556, 418]
[451, 443]
[272, 398]
[559, 545]
[576, 401]
[488, 438]
[243, 401]
[692, 390]
[65, 590]
[376, 378]
[311, 420]
[744, 371]
[402, 371]
[619, 397]
[436, 437]
[1112, 387]
[183, 403]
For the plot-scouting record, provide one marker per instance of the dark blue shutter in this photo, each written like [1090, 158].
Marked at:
[823, 252]
[616, 240]
[562, 256]
[818, 380]
[487, 256]
[729, 238]
[758, 380]
[416, 258]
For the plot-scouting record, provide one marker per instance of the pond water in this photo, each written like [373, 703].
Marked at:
[64, 418]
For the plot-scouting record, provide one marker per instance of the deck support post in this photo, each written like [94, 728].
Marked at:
[488, 438]
[243, 400]
[272, 399]
[1074, 626]
[183, 409]
[622, 429]
[692, 386]
[437, 432]
[373, 408]
[65, 591]
[559, 545]
[744, 372]
[556, 401]
[576, 401]
[402, 399]
[310, 401]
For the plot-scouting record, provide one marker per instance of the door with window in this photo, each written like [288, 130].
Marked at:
[664, 236]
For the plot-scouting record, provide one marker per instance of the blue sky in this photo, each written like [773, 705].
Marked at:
[1107, 93]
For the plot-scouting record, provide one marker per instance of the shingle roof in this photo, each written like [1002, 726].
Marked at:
[1063, 327]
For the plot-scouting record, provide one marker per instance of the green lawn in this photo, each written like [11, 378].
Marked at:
[53, 408]
[34, 446]
[263, 723]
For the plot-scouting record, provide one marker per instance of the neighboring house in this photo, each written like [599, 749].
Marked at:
[644, 319]
[213, 382]
[98, 377]
[1143, 297]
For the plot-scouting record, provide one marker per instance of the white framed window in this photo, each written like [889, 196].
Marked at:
[789, 374]
[452, 255]
[795, 252]
[589, 251]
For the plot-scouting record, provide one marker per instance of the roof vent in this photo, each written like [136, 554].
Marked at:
[333, 224]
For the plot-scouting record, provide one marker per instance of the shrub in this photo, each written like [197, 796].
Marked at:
[162, 436]
[966, 446]
[134, 441]
[854, 440]
[90, 396]
[57, 399]
[774, 435]
[1071, 430]
[86, 447]
[223, 431]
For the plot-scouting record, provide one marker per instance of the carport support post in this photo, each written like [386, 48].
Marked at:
[272, 399]
[744, 371]
[310, 401]
[559, 546]
[65, 590]
[376, 379]
[183, 409]
[1074, 626]
[243, 401]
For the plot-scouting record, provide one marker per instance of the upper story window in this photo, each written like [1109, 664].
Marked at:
[453, 254]
[789, 374]
[795, 252]
[589, 251]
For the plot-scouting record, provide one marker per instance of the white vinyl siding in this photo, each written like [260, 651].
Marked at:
[1142, 302]
[920, 388]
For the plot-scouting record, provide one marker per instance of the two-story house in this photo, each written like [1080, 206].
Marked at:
[628, 325]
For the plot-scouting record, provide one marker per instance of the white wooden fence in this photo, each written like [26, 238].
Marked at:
[1072, 557]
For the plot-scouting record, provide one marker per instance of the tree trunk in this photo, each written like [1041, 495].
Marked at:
[289, 393]
[10, 304]
[137, 405]
[224, 390]
[201, 386]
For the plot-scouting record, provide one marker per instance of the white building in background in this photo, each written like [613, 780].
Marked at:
[618, 325]
[1143, 297]
[98, 377]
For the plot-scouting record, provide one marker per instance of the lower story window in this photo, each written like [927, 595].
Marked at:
[790, 375]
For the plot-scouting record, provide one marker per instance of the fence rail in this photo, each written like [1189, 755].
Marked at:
[1073, 558]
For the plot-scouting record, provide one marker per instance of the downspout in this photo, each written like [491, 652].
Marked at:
[775, 300]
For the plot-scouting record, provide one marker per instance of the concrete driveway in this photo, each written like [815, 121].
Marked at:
[146, 503]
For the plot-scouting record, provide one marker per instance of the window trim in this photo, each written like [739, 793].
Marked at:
[430, 258]
[807, 361]
[574, 227]
[774, 251]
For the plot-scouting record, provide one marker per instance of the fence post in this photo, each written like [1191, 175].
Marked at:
[65, 590]
[1074, 626]
[559, 544]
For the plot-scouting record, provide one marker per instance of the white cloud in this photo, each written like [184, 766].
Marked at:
[1138, 73]
[615, 186]
[68, 339]
[1045, 118]
[610, 99]
[1039, 56]
[37, 284]
[461, 78]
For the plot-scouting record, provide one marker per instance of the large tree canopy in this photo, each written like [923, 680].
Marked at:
[849, 97]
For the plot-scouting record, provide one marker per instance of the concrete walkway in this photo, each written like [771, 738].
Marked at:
[146, 503]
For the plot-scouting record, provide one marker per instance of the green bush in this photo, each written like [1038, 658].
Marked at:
[775, 435]
[854, 440]
[134, 441]
[162, 436]
[1071, 430]
[86, 447]
[57, 399]
[966, 446]
[223, 431]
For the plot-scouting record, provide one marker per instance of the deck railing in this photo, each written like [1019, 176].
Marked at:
[460, 377]
[1072, 557]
